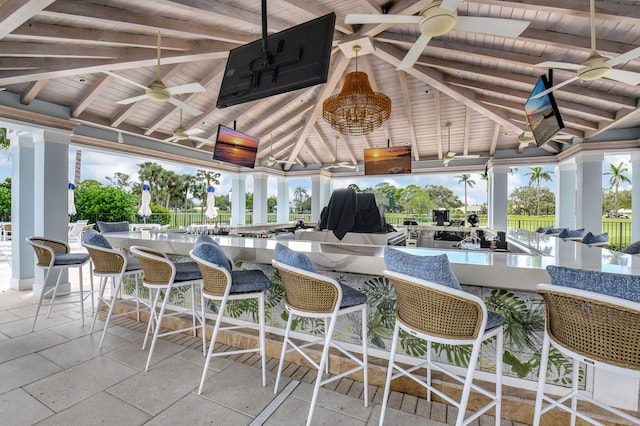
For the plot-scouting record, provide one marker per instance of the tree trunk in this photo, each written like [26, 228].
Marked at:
[76, 177]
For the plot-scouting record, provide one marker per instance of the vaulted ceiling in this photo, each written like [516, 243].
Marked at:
[57, 51]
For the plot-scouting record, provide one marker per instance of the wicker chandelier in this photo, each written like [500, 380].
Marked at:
[357, 109]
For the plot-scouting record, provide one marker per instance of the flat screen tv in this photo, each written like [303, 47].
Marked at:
[298, 57]
[542, 113]
[439, 217]
[235, 147]
[387, 161]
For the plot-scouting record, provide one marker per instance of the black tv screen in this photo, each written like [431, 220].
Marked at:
[299, 57]
[235, 147]
[387, 161]
[543, 114]
[439, 217]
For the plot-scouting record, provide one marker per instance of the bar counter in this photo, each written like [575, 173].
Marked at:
[505, 281]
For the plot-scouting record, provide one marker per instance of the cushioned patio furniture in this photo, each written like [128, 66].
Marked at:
[311, 295]
[221, 284]
[111, 263]
[161, 277]
[75, 232]
[53, 255]
[106, 227]
[593, 329]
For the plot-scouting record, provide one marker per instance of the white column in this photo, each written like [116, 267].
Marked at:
[22, 209]
[316, 206]
[238, 200]
[498, 197]
[259, 198]
[51, 179]
[326, 188]
[635, 196]
[589, 191]
[566, 194]
[283, 199]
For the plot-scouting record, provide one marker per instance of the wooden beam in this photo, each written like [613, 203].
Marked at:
[409, 114]
[30, 93]
[90, 95]
[16, 12]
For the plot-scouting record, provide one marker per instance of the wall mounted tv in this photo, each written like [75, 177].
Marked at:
[235, 147]
[543, 114]
[298, 57]
[387, 161]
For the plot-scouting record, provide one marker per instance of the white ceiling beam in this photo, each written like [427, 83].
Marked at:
[409, 114]
[16, 12]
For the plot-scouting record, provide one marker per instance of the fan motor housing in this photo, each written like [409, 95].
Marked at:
[595, 67]
[437, 21]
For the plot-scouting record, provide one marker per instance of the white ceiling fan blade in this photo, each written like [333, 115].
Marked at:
[559, 65]
[125, 79]
[169, 139]
[199, 139]
[496, 26]
[557, 86]
[621, 59]
[624, 76]
[284, 162]
[368, 18]
[414, 53]
[194, 131]
[132, 100]
[186, 88]
[469, 156]
[185, 107]
[450, 4]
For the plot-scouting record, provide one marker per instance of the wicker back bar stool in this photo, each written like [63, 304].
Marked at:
[111, 263]
[440, 314]
[53, 255]
[311, 295]
[592, 329]
[161, 275]
[221, 284]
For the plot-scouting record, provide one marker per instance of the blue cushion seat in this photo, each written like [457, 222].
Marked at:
[351, 297]
[592, 238]
[554, 231]
[284, 254]
[571, 233]
[203, 238]
[94, 238]
[187, 271]
[133, 264]
[213, 253]
[633, 248]
[249, 281]
[113, 226]
[429, 268]
[493, 320]
[616, 285]
[70, 259]
[543, 229]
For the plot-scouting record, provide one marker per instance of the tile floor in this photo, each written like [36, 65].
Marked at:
[57, 375]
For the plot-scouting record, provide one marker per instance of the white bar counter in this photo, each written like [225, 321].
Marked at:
[515, 271]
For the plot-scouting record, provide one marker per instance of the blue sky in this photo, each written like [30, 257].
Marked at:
[98, 165]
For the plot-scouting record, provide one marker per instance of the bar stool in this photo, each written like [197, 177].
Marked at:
[591, 328]
[311, 295]
[55, 255]
[111, 263]
[221, 284]
[161, 275]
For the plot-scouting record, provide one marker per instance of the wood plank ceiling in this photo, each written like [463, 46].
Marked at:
[56, 51]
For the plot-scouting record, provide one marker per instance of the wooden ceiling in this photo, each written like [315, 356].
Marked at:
[56, 51]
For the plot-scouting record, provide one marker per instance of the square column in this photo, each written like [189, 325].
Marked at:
[635, 196]
[566, 194]
[260, 198]
[238, 200]
[283, 199]
[589, 191]
[320, 194]
[22, 206]
[498, 197]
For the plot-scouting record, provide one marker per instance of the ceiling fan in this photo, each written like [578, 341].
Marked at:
[437, 19]
[451, 155]
[158, 91]
[525, 139]
[272, 161]
[340, 164]
[595, 66]
[181, 134]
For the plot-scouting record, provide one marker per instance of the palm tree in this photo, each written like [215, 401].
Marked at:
[485, 177]
[617, 177]
[536, 174]
[465, 178]
[300, 195]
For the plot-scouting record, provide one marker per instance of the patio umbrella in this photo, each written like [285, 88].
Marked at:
[145, 210]
[212, 210]
[71, 201]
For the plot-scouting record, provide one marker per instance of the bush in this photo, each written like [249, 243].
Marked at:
[105, 203]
